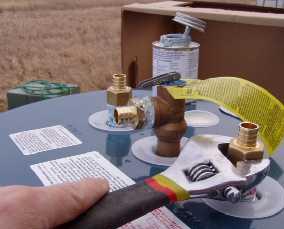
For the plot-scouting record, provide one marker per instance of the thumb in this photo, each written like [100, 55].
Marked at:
[62, 203]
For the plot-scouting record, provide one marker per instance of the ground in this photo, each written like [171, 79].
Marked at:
[75, 41]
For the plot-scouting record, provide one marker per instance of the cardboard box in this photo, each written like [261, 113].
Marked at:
[240, 40]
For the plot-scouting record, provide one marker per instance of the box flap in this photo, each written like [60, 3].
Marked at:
[235, 13]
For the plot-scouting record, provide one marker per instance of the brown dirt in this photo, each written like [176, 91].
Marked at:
[75, 41]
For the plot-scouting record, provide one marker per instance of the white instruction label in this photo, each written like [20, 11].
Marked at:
[93, 164]
[44, 139]
[184, 62]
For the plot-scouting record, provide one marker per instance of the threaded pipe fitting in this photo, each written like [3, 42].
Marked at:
[246, 146]
[119, 81]
[118, 94]
[129, 116]
[248, 133]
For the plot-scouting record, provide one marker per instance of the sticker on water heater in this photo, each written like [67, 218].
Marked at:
[44, 139]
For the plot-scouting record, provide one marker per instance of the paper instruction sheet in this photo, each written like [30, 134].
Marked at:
[93, 164]
[44, 139]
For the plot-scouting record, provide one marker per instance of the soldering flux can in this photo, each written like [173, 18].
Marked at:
[182, 59]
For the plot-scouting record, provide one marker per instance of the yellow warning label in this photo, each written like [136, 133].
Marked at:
[245, 99]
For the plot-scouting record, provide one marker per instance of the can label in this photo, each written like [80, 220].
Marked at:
[184, 61]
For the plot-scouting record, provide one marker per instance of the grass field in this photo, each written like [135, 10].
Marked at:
[76, 41]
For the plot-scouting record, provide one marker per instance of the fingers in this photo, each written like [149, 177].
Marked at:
[63, 203]
[24, 207]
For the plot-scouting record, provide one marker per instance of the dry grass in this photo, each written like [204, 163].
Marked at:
[76, 41]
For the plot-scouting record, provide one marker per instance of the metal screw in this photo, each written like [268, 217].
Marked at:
[232, 194]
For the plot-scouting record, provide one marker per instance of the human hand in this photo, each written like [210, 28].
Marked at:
[23, 207]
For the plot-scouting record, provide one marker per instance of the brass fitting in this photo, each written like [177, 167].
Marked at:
[119, 94]
[169, 121]
[170, 124]
[131, 115]
[246, 146]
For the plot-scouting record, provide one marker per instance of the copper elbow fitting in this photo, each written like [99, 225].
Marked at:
[246, 145]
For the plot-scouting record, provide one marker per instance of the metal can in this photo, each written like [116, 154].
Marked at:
[183, 60]
[177, 52]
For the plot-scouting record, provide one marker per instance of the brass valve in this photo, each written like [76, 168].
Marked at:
[166, 115]
[246, 147]
[119, 94]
